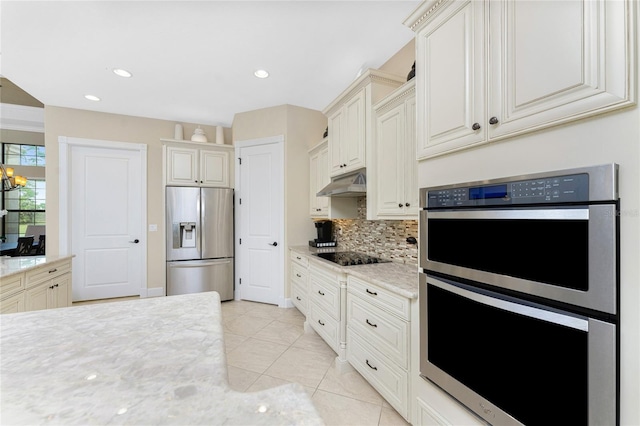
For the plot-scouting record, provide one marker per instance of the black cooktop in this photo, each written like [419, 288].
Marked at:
[348, 258]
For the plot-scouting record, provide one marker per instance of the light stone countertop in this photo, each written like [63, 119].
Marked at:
[139, 362]
[396, 277]
[16, 265]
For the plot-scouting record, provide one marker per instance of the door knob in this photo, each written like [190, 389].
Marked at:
[493, 120]
[273, 244]
[476, 126]
[136, 241]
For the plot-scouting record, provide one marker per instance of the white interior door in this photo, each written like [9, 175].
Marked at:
[106, 217]
[260, 215]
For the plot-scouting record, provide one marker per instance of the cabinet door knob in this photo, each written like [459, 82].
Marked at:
[476, 126]
[493, 120]
[344, 165]
[407, 204]
[275, 244]
[399, 204]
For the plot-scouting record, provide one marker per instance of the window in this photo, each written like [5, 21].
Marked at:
[25, 206]
[23, 155]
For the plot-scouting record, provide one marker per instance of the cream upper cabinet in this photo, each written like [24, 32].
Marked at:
[188, 164]
[488, 70]
[318, 179]
[395, 181]
[351, 121]
[348, 136]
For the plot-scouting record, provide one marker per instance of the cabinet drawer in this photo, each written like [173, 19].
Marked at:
[387, 378]
[12, 304]
[47, 272]
[325, 294]
[324, 325]
[12, 285]
[299, 258]
[387, 333]
[382, 298]
[299, 274]
[299, 298]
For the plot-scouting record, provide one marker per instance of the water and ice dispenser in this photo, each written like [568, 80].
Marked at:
[184, 235]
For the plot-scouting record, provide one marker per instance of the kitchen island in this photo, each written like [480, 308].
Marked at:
[143, 362]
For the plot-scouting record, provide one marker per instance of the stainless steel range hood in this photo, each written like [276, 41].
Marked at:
[351, 185]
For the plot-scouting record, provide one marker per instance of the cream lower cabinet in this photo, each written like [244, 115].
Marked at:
[487, 70]
[44, 287]
[379, 340]
[326, 315]
[299, 274]
[395, 182]
[198, 164]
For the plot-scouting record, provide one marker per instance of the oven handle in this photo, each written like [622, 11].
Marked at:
[539, 214]
[518, 308]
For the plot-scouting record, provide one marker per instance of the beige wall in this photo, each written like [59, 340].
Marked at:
[300, 127]
[12, 94]
[120, 128]
[610, 138]
[401, 62]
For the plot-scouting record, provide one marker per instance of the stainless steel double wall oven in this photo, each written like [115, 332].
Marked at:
[519, 295]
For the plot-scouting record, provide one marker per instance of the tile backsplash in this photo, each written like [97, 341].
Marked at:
[381, 238]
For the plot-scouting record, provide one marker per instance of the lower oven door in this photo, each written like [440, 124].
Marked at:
[566, 254]
[515, 362]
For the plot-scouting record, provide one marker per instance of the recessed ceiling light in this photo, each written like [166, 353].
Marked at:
[122, 73]
[92, 97]
[261, 74]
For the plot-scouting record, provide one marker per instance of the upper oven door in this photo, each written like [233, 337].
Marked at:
[566, 254]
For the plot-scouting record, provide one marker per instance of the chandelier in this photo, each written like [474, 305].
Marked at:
[9, 181]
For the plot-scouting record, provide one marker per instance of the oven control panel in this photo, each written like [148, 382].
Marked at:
[557, 189]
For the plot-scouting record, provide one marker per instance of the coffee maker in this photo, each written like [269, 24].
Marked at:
[324, 229]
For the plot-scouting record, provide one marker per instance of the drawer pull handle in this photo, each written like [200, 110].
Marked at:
[371, 292]
[298, 275]
[372, 325]
[297, 297]
[321, 294]
[298, 257]
[370, 366]
[53, 270]
[321, 323]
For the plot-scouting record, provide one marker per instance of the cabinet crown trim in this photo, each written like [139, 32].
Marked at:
[368, 77]
[423, 13]
[186, 143]
[396, 97]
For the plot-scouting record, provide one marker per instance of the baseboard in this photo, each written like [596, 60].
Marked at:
[153, 292]
[287, 303]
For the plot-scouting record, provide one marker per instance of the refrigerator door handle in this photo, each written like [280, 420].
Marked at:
[199, 264]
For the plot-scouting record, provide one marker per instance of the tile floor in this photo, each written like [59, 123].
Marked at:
[266, 347]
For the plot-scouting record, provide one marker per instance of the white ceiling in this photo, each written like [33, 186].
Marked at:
[193, 61]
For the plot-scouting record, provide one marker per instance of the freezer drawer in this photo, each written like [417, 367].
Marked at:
[195, 276]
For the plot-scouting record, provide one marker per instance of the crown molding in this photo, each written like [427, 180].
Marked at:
[22, 118]
[423, 13]
[370, 76]
[397, 97]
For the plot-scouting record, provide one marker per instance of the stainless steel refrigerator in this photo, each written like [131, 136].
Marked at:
[199, 240]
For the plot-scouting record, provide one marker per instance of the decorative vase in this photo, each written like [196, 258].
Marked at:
[178, 134]
[219, 135]
[198, 135]
[412, 73]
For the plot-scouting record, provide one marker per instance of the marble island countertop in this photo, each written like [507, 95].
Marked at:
[16, 265]
[399, 278]
[143, 362]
